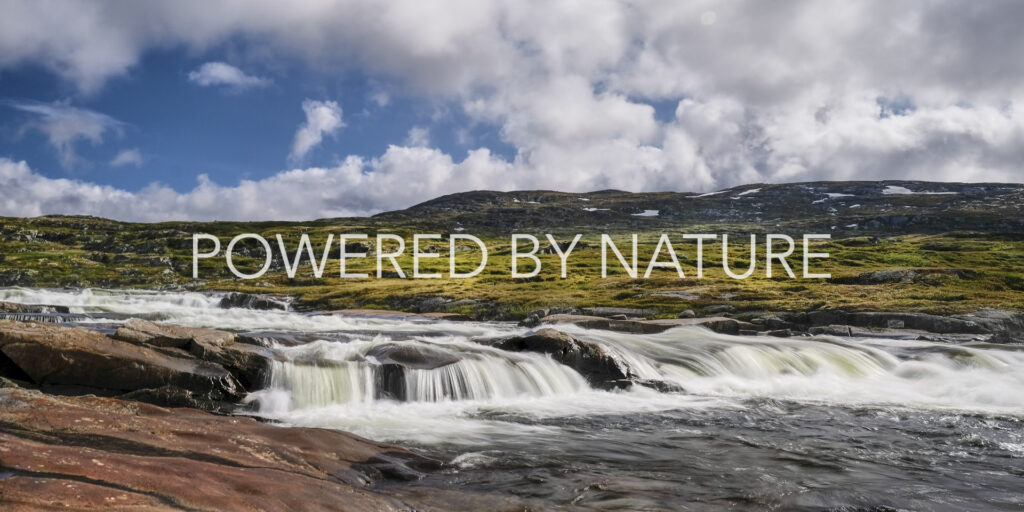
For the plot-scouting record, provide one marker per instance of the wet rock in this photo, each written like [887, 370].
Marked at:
[80, 453]
[250, 364]
[687, 314]
[608, 324]
[61, 356]
[255, 301]
[13, 307]
[831, 330]
[142, 332]
[418, 356]
[598, 365]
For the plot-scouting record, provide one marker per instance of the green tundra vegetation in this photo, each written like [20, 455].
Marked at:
[952, 250]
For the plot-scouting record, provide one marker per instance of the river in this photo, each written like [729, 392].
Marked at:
[807, 423]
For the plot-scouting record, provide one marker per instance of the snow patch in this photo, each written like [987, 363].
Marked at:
[895, 190]
[751, 191]
[647, 213]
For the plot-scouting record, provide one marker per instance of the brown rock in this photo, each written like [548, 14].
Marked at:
[79, 453]
[52, 355]
[142, 332]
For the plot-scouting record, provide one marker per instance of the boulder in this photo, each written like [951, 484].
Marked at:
[142, 332]
[55, 356]
[417, 356]
[14, 307]
[594, 362]
[250, 364]
[88, 453]
[396, 358]
[260, 301]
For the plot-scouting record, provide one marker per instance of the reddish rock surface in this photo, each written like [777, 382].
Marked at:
[89, 453]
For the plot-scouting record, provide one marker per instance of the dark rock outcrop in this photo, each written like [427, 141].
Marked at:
[601, 367]
[417, 356]
[255, 301]
[396, 359]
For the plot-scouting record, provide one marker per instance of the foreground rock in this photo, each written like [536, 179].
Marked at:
[157, 363]
[88, 453]
[61, 357]
[600, 366]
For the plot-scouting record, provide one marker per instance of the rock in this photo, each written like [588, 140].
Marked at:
[260, 301]
[250, 364]
[687, 314]
[904, 276]
[609, 312]
[720, 308]
[450, 317]
[418, 356]
[774, 323]
[831, 330]
[271, 338]
[142, 332]
[81, 453]
[1007, 337]
[780, 333]
[920, 321]
[51, 356]
[597, 322]
[14, 307]
[593, 361]
[715, 323]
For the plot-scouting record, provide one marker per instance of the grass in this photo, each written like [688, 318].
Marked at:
[956, 272]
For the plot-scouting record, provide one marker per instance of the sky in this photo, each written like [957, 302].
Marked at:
[270, 110]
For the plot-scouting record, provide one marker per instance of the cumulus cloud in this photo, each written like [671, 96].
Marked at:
[762, 92]
[322, 118]
[127, 157]
[356, 186]
[222, 74]
[419, 136]
[64, 126]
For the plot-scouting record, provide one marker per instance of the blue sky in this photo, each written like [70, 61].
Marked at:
[180, 128]
[265, 110]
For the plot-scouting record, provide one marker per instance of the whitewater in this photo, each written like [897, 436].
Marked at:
[803, 423]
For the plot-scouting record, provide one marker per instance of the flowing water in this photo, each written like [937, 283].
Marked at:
[816, 423]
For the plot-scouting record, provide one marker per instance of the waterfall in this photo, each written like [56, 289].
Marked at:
[327, 373]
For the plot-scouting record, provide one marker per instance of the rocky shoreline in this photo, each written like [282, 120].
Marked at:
[145, 419]
[144, 416]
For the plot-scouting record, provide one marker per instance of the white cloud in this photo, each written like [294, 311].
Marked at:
[127, 157]
[64, 126]
[419, 136]
[322, 118]
[221, 74]
[764, 92]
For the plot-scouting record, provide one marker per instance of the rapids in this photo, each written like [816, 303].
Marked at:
[798, 423]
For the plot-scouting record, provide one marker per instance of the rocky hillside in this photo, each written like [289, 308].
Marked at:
[844, 208]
